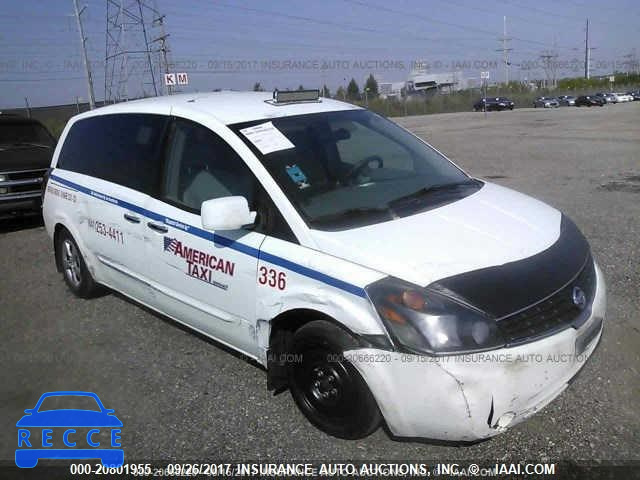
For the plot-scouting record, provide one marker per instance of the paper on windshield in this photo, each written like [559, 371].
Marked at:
[267, 138]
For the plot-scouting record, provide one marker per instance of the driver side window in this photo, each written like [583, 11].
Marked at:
[201, 166]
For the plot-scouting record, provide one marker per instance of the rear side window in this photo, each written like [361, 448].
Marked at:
[121, 148]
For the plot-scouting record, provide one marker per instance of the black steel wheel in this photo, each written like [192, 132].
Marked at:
[326, 386]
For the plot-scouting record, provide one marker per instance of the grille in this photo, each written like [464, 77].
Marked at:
[29, 181]
[553, 314]
[26, 174]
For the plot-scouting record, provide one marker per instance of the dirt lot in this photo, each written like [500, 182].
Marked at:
[184, 398]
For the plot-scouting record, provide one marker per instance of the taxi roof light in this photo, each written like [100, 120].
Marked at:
[293, 96]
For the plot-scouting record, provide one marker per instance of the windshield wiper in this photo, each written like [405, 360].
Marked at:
[431, 189]
[354, 212]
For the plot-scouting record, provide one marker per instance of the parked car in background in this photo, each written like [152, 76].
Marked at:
[546, 102]
[607, 97]
[623, 97]
[493, 103]
[590, 101]
[635, 95]
[26, 148]
[567, 100]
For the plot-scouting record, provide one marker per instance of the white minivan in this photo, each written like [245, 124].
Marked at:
[367, 273]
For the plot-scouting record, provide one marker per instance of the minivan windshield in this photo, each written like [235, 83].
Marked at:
[353, 168]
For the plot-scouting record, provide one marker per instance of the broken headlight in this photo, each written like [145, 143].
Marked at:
[425, 321]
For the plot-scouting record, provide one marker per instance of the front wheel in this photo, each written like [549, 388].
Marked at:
[326, 387]
[74, 269]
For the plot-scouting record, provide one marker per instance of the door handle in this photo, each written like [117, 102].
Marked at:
[131, 218]
[157, 227]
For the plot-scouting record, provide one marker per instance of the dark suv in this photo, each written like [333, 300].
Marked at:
[26, 148]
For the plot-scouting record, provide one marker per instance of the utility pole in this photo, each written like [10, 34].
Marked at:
[631, 61]
[587, 53]
[505, 50]
[165, 62]
[549, 65]
[87, 67]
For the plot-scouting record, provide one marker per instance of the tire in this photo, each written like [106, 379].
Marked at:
[74, 269]
[327, 388]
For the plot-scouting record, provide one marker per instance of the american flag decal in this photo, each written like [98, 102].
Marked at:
[170, 244]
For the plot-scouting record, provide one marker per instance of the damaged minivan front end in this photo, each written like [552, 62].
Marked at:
[481, 351]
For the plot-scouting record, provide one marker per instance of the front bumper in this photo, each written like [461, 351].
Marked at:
[12, 205]
[476, 396]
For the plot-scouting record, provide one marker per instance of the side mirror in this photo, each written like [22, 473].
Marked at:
[226, 213]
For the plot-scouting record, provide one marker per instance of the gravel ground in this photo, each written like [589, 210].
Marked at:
[182, 397]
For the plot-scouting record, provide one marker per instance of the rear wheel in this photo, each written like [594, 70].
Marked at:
[74, 269]
[326, 386]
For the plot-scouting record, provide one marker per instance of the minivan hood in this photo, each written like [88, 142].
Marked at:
[491, 227]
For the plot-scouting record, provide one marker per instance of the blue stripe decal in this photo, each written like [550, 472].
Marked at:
[220, 240]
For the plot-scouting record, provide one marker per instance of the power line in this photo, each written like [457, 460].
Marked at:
[493, 12]
[441, 22]
[40, 79]
[347, 27]
[556, 14]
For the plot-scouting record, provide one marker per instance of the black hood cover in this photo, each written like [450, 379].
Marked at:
[24, 158]
[504, 289]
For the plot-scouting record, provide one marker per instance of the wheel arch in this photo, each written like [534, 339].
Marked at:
[280, 332]
[62, 225]
[57, 230]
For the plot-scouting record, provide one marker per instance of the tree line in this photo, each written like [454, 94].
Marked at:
[351, 92]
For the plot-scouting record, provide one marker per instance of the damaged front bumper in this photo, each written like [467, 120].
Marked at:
[476, 396]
